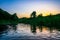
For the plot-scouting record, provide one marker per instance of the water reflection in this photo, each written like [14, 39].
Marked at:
[3, 28]
[29, 30]
[33, 29]
[14, 27]
[44, 29]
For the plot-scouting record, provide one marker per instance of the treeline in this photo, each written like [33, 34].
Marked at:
[50, 20]
[7, 18]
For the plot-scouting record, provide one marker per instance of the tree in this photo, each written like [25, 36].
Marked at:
[4, 14]
[14, 17]
[33, 15]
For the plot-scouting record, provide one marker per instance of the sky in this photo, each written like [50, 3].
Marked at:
[24, 8]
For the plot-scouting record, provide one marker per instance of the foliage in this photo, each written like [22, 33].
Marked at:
[7, 18]
[50, 20]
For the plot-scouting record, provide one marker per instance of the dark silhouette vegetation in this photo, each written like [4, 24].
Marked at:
[7, 18]
[50, 20]
[33, 15]
[34, 28]
[3, 28]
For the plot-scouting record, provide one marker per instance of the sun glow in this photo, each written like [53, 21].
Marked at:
[41, 8]
[44, 9]
[23, 15]
[44, 13]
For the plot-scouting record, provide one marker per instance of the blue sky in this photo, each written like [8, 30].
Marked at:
[27, 6]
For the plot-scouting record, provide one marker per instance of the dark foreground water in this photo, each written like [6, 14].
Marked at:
[29, 32]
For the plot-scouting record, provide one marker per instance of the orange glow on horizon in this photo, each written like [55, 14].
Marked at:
[44, 13]
[23, 15]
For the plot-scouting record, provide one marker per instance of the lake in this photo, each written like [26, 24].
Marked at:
[29, 32]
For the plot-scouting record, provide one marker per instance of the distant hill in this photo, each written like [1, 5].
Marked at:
[6, 17]
[4, 14]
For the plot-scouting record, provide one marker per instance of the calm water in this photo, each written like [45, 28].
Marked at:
[30, 32]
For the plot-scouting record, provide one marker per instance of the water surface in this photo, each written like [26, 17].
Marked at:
[30, 32]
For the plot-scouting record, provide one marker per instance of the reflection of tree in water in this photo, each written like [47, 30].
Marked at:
[14, 27]
[54, 28]
[33, 29]
[3, 28]
[51, 29]
[58, 28]
[6, 28]
[41, 28]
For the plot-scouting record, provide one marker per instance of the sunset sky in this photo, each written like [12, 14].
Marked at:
[24, 8]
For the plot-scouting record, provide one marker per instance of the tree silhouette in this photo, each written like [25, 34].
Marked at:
[33, 15]
[14, 16]
[4, 14]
